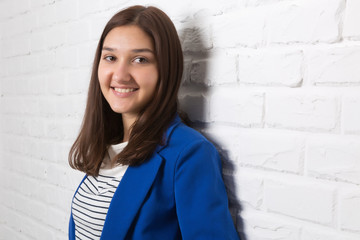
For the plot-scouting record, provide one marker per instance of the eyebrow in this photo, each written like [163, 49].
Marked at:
[136, 50]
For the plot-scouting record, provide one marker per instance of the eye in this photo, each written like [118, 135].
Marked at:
[109, 58]
[140, 60]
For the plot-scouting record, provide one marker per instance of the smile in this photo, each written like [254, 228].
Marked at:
[124, 90]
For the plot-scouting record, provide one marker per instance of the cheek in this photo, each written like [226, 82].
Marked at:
[103, 76]
[154, 80]
[152, 86]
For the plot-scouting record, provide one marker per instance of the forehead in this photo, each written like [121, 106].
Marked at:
[125, 37]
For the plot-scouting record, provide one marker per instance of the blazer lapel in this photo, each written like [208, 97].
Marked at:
[132, 191]
[168, 133]
[129, 197]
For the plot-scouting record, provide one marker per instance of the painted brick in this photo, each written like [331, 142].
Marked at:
[194, 105]
[306, 112]
[35, 127]
[219, 69]
[114, 6]
[281, 152]
[9, 31]
[47, 63]
[351, 28]
[285, 22]
[86, 53]
[78, 32]
[262, 78]
[65, 177]
[97, 24]
[244, 27]
[5, 48]
[71, 106]
[10, 142]
[29, 64]
[61, 129]
[225, 139]
[5, 9]
[16, 46]
[351, 114]
[256, 3]
[302, 200]
[336, 66]
[48, 153]
[271, 68]
[66, 57]
[60, 198]
[12, 66]
[29, 22]
[14, 200]
[249, 189]
[34, 167]
[46, 15]
[195, 38]
[39, 3]
[41, 231]
[179, 11]
[66, 11]
[20, 7]
[56, 82]
[85, 8]
[213, 8]
[258, 225]
[15, 125]
[243, 108]
[29, 186]
[349, 216]
[56, 36]
[314, 233]
[36, 84]
[7, 85]
[8, 233]
[2, 72]
[186, 72]
[37, 41]
[34, 229]
[63, 148]
[335, 158]
[13, 222]
[57, 218]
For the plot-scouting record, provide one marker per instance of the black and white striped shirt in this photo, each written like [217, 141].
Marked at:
[91, 202]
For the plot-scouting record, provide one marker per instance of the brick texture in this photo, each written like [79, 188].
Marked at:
[274, 84]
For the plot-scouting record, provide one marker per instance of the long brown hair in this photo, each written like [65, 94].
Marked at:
[102, 127]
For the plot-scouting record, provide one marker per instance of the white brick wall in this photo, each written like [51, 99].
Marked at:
[274, 84]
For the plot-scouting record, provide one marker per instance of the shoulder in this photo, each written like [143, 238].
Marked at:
[185, 132]
[184, 136]
[186, 143]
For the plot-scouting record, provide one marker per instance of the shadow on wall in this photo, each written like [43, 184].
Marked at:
[194, 101]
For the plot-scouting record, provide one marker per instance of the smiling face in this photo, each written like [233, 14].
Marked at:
[127, 70]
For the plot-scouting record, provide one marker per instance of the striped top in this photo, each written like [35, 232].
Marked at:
[91, 202]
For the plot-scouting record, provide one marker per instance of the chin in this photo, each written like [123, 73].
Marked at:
[117, 110]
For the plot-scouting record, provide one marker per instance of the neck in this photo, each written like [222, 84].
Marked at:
[128, 121]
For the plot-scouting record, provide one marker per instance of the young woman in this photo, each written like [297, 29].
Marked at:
[148, 176]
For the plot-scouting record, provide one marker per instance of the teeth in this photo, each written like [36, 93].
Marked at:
[124, 90]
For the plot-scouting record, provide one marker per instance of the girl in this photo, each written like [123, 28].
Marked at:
[148, 176]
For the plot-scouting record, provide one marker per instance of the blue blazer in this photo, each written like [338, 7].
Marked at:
[177, 194]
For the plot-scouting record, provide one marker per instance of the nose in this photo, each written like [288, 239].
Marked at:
[121, 72]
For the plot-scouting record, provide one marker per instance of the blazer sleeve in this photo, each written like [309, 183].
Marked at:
[200, 194]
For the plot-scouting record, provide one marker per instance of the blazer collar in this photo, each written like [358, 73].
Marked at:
[132, 191]
[176, 121]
